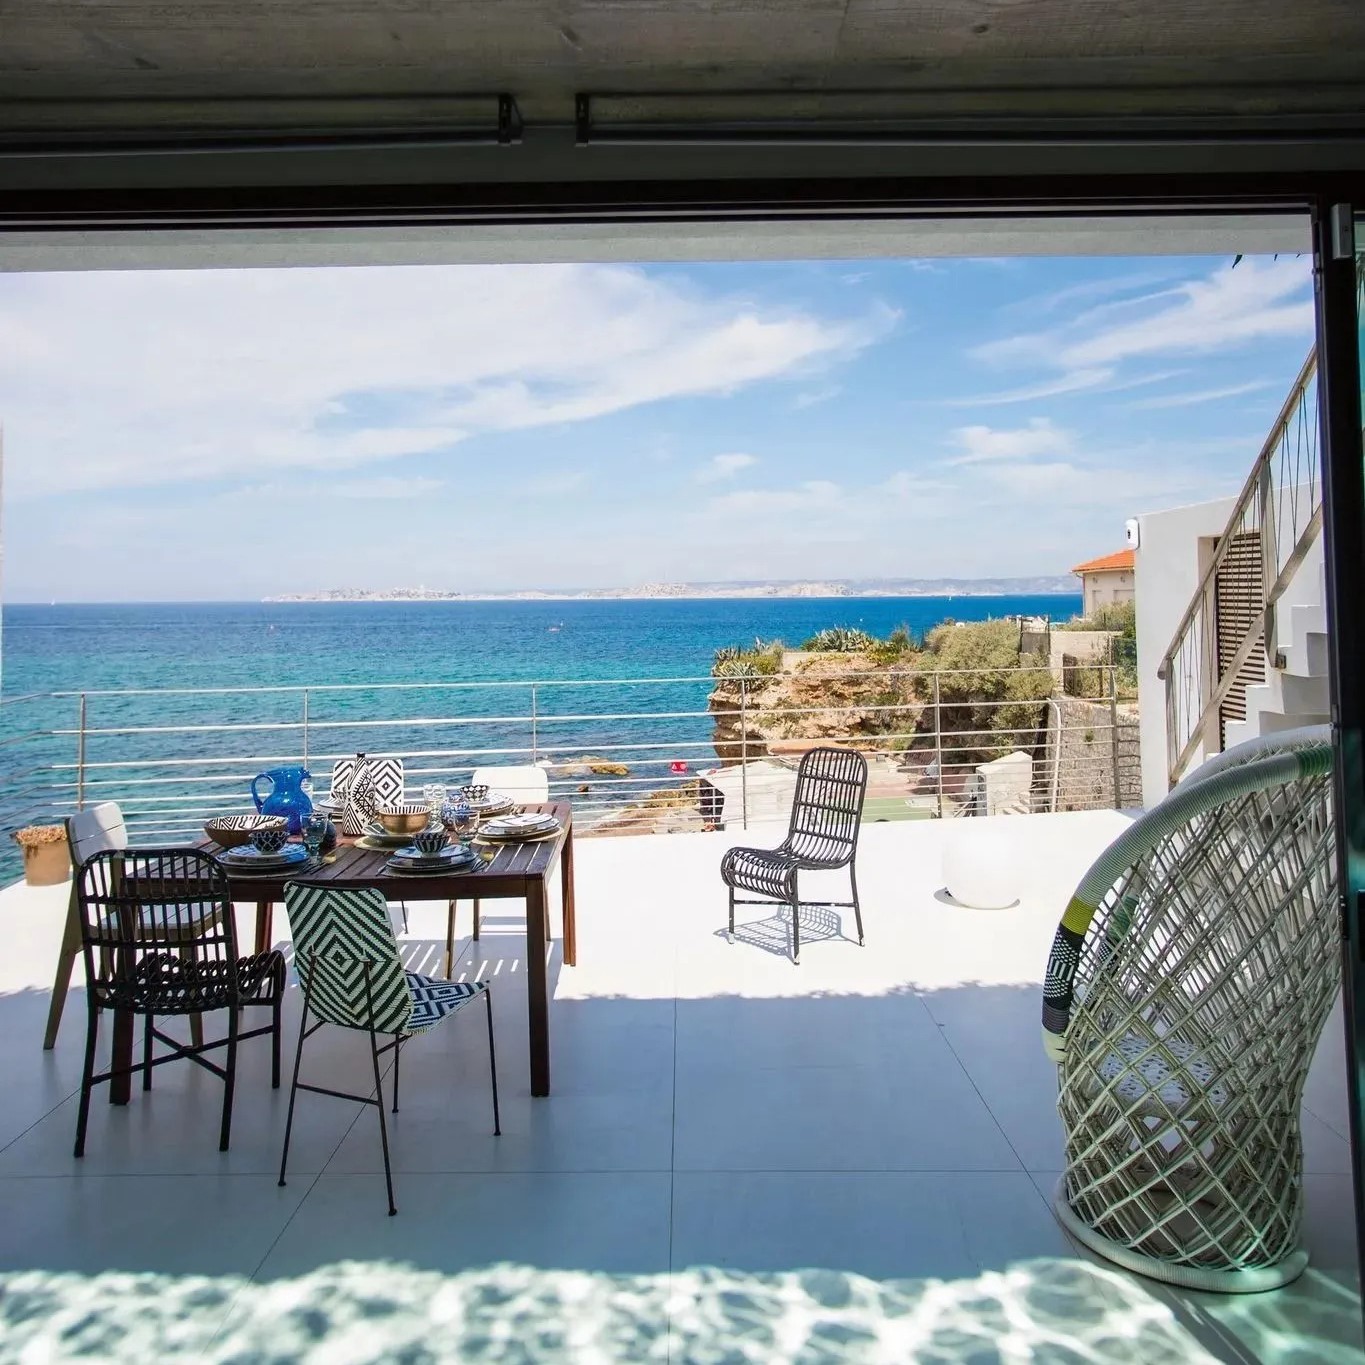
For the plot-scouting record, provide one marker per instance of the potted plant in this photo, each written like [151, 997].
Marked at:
[47, 859]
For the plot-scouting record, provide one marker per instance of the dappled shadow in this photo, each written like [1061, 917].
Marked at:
[1040, 1310]
[819, 924]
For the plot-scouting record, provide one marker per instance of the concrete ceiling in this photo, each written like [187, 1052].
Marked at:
[132, 64]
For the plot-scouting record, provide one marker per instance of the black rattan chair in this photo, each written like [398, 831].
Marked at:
[827, 810]
[159, 938]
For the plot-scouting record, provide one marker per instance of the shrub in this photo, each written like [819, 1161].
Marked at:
[840, 640]
[763, 660]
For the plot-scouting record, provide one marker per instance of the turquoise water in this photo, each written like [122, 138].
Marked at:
[75, 648]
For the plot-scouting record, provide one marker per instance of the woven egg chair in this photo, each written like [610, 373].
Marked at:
[1188, 986]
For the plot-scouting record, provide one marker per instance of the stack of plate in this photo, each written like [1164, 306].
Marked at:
[505, 829]
[412, 862]
[248, 861]
[377, 837]
[495, 803]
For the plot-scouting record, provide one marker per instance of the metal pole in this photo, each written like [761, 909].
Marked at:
[1114, 728]
[938, 746]
[305, 727]
[80, 755]
[744, 752]
[535, 738]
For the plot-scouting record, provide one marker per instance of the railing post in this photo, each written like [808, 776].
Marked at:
[1270, 558]
[80, 756]
[938, 745]
[305, 727]
[744, 753]
[1114, 730]
[535, 732]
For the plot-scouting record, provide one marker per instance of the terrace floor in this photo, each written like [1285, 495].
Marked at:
[742, 1160]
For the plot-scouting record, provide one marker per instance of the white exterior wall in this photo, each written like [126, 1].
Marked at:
[1105, 587]
[1174, 548]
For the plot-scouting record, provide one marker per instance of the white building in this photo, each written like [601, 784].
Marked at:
[1106, 582]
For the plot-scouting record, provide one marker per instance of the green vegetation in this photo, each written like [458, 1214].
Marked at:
[983, 689]
[840, 640]
[761, 660]
[1121, 618]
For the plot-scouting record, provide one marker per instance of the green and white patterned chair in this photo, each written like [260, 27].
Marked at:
[352, 976]
[1186, 991]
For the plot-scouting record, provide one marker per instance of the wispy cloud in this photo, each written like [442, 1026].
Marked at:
[1186, 400]
[554, 485]
[1077, 383]
[982, 444]
[813, 397]
[720, 467]
[213, 374]
[387, 487]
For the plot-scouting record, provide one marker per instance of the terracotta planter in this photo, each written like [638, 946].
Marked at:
[46, 864]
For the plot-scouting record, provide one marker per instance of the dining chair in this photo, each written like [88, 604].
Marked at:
[347, 959]
[526, 784]
[160, 939]
[827, 808]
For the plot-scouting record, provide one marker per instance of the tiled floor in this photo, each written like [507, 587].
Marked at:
[741, 1160]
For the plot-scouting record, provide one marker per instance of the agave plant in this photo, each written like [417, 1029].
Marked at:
[840, 640]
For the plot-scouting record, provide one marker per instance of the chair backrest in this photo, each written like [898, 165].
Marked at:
[527, 784]
[94, 830]
[157, 929]
[1210, 925]
[347, 957]
[827, 806]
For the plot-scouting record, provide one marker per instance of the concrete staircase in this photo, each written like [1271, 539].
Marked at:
[1296, 694]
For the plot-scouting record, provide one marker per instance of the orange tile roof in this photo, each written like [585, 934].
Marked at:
[1122, 559]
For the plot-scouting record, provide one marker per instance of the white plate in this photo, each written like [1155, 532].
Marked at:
[293, 867]
[290, 853]
[412, 854]
[532, 820]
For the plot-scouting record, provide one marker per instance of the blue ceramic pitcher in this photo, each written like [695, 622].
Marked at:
[288, 795]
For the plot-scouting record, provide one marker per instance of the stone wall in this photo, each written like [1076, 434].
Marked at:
[1085, 765]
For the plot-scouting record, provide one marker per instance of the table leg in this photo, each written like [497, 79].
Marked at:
[566, 890]
[537, 987]
[450, 937]
[121, 1087]
[265, 915]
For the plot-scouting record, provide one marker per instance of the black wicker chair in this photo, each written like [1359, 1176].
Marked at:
[826, 813]
[159, 938]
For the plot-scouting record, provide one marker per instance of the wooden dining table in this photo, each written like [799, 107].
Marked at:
[505, 871]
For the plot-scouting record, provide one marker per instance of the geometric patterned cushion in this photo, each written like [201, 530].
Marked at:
[433, 1000]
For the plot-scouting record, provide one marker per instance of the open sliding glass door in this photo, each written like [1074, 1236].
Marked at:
[1339, 267]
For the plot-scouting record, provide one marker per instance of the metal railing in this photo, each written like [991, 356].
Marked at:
[1278, 516]
[631, 754]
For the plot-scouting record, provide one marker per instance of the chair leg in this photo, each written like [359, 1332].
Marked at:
[276, 1028]
[146, 1051]
[796, 925]
[229, 1081]
[397, 1054]
[383, 1127]
[857, 909]
[731, 934]
[83, 1113]
[450, 938]
[66, 964]
[403, 906]
[492, 1061]
[294, 1086]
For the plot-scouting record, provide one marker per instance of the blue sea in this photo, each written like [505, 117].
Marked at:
[96, 648]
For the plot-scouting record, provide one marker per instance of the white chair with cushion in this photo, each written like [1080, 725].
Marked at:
[525, 784]
[102, 829]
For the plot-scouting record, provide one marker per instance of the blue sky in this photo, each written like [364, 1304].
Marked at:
[233, 434]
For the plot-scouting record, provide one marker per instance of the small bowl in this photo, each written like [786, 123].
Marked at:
[430, 841]
[475, 791]
[232, 831]
[270, 840]
[404, 818]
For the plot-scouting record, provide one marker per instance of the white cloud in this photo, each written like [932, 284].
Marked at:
[813, 494]
[141, 378]
[389, 487]
[724, 467]
[982, 444]
[1185, 400]
[1255, 300]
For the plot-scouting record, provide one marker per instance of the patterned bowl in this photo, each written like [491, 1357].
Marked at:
[403, 818]
[475, 791]
[270, 840]
[430, 841]
[232, 831]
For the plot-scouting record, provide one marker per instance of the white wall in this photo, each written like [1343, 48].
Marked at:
[1173, 549]
[1105, 588]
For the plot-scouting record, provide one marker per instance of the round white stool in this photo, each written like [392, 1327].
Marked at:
[981, 864]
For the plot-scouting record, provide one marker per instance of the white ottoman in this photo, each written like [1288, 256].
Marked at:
[981, 863]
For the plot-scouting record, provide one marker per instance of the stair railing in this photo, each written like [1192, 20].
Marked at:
[1281, 504]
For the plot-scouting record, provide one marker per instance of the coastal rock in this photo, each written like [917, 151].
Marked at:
[815, 697]
[589, 765]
